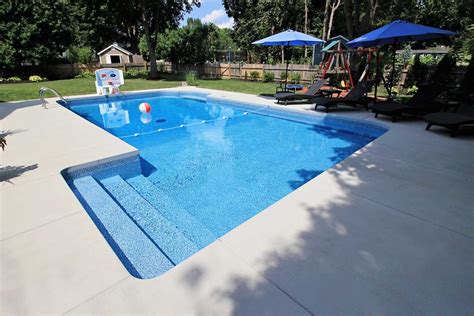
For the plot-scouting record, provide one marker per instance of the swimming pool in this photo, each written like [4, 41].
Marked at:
[205, 166]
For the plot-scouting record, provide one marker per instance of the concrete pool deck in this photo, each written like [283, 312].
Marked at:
[389, 230]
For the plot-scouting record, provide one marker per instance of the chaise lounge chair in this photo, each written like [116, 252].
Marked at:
[451, 120]
[422, 102]
[356, 96]
[313, 92]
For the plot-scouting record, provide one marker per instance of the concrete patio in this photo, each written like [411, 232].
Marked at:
[388, 231]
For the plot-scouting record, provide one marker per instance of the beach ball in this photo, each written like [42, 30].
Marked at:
[145, 118]
[144, 107]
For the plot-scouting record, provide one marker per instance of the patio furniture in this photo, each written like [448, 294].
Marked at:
[314, 91]
[357, 95]
[451, 120]
[423, 101]
[394, 34]
[287, 39]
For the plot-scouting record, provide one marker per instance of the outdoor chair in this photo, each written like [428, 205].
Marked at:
[422, 102]
[451, 120]
[314, 91]
[358, 95]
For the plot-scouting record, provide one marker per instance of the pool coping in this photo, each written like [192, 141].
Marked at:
[230, 260]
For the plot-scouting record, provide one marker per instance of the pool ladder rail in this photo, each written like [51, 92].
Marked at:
[42, 91]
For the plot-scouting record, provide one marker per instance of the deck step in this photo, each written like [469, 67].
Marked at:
[186, 223]
[164, 233]
[136, 251]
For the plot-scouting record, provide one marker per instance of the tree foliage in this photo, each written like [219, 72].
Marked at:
[196, 42]
[255, 19]
[33, 32]
[40, 32]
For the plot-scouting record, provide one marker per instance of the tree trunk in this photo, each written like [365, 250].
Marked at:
[348, 16]
[306, 25]
[356, 18]
[334, 7]
[326, 18]
[151, 45]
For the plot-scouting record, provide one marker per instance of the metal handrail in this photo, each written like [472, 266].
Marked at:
[42, 90]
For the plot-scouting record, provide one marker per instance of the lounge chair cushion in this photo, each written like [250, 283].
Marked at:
[448, 118]
[388, 108]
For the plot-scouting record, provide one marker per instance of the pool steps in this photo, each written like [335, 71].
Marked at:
[147, 229]
[136, 251]
[161, 231]
[163, 203]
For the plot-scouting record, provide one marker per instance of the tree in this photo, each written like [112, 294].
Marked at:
[329, 11]
[154, 18]
[196, 42]
[35, 32]
[255, 19]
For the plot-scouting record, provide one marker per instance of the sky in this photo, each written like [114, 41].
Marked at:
[211, 11]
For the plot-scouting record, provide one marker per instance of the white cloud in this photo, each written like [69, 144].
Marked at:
[226, 24]
[214, 17]
[219, 18]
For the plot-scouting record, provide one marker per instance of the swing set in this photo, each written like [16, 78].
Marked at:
[337, 59]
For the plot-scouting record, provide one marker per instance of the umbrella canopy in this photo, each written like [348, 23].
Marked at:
[397, 32]
[289, 38]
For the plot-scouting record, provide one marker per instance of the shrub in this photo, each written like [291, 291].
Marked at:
[283, 76]
[14, 79]
[254, 75]
[35, 78]
[85, 74]
[83, 55]
[134, 74]
[246, 76]
[295, 77]
[313, 77]
[268, 77]
[412, 90]
[191, 78]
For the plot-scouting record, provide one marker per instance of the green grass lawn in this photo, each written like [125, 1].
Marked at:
[25, 91]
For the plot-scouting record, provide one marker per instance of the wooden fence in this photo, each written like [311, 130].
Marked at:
[308, 73]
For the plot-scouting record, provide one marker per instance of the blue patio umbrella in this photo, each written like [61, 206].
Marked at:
[398, 32]
[289, 38]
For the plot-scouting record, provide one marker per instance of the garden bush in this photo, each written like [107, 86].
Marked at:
[84, 74]
[14, 79]
[135, 74]
[191, 78]
[283, 76]
[412, 90]
[268, 77]
[35, 78]
[254, 75]
[295, 77]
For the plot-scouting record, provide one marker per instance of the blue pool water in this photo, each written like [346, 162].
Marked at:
[205, 167]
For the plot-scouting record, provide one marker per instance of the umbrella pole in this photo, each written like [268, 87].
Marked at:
[377, 70]
[286, 55]
[392, 75]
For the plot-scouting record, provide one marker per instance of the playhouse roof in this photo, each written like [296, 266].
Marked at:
[117, 47]
[334, 41]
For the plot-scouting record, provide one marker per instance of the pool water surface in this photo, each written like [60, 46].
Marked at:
[205, 168]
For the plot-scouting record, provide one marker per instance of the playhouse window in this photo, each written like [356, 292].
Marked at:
[115, 59]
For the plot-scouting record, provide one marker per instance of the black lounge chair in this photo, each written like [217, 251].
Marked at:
[358, 95]
[422, 102]
[313, 92]
[451, 120]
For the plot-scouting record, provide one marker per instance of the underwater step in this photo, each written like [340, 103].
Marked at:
[161, 231]
[186, 223]
[136, 251]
